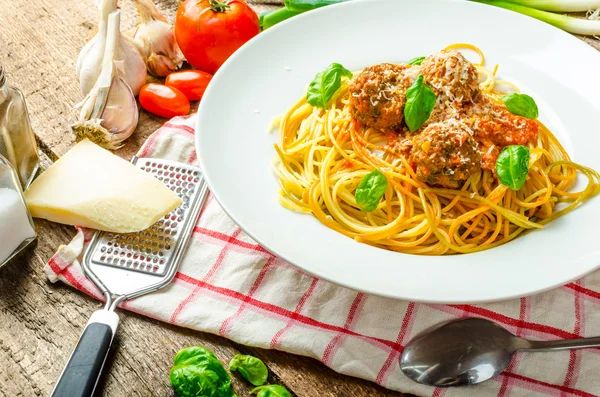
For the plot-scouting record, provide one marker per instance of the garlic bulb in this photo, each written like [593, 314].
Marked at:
[128, 52]
[157, 40]
[109, 112]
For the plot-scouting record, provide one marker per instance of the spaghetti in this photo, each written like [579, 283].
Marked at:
[323, 154]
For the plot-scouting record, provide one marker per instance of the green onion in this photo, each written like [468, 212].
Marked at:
[564, 22]
[560, 5]
[306, 5]
[273, 17]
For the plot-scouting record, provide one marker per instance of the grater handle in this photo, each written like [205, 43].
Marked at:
[81, 374]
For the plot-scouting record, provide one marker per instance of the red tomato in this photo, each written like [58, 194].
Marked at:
[164, 101]
[209, 31]
[192, 83]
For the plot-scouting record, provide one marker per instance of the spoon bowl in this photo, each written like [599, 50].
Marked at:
[471, 351]
[463, 352]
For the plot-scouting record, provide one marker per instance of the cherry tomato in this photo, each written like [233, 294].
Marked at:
[164, 101]
[209, 31]
[192, 83]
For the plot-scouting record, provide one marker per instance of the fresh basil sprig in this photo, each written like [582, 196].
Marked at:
[370, 190]
[416, 61]
[512, 166]
[521, 105]
[325, 84]
[420, 101]
[271, 391]
[251, 368]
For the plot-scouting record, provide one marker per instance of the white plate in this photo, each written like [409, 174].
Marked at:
[271, 72]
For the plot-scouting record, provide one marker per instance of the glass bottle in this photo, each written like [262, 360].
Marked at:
[17, 230]
[17, 142]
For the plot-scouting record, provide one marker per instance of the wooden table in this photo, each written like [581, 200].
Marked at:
[40, 322]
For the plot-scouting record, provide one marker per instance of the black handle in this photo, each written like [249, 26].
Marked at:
[81, 374]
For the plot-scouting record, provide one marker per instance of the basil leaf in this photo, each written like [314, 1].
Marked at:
[420, 100]
[512, 166]
[197, 372]
[416, 61]
[325, 84]
[251, 368]
[521, 105]
[271, 391]
[370, 190]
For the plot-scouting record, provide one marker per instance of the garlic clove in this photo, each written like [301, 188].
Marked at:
[117, 122]
[160, 65]
[157, 40]
[89, 62]
[134, 63]
[109, 113]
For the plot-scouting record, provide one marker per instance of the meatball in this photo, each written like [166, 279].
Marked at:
[378, 95]
[451, 77]
[445, 154]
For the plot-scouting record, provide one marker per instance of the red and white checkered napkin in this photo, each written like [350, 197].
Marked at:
[230, 286]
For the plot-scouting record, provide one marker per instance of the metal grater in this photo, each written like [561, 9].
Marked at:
[125, 266]
[152, 251]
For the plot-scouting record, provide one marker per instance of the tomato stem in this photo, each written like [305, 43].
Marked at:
[219, 6]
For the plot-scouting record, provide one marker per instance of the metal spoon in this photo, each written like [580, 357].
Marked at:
[471, 351]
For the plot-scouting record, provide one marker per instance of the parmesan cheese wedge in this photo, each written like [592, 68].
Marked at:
[93, 188]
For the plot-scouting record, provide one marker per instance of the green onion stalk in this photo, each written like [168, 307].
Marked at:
[559, 5]
[570, 24]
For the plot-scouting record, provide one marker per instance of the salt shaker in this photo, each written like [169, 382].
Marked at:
[16, 226]
[17, 142]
